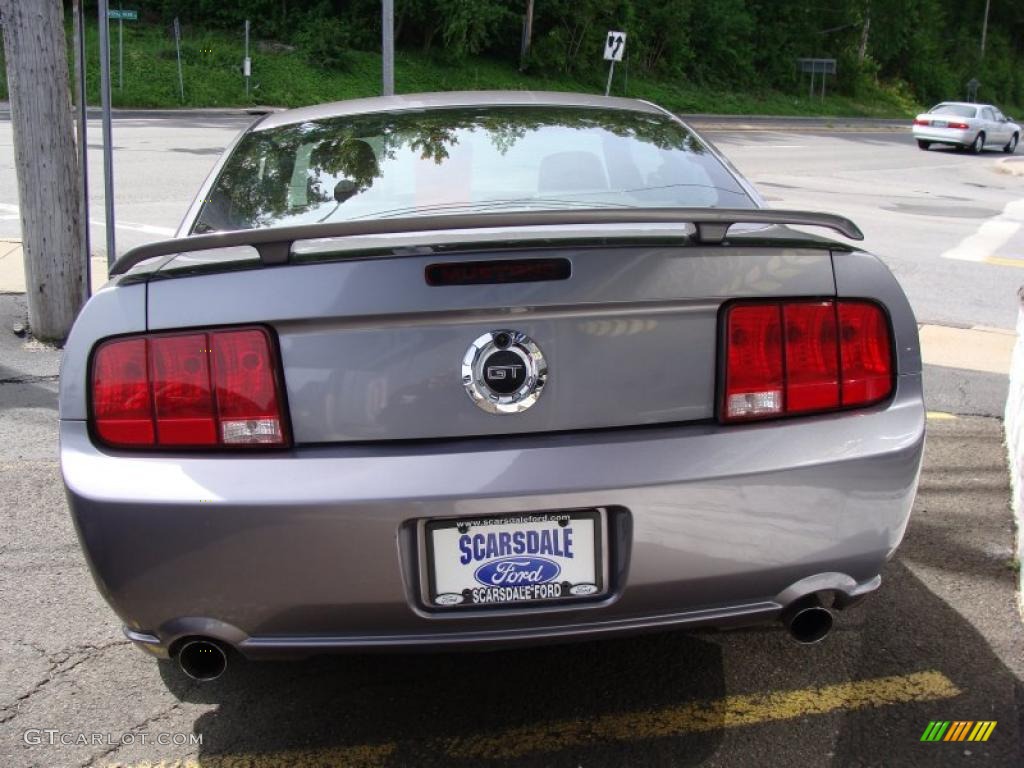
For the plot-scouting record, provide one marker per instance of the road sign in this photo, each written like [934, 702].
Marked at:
[972, 89]
[115, 14]
[821, 66]
[614, 45]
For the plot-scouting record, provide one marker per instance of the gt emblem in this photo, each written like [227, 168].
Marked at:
[496, 372]
[504, 372]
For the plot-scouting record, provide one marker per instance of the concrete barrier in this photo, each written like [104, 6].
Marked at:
[1014, 424]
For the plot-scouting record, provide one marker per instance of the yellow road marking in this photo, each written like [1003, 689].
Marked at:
[940, 416]
[999, 261]
[360, 756]
[729, 712]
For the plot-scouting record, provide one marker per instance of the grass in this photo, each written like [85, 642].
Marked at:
[211, 73]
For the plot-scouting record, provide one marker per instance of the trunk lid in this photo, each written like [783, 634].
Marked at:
[371, 351]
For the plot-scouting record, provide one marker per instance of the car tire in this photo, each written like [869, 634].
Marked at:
[922, 144]
[1011, 145]
[979, 143]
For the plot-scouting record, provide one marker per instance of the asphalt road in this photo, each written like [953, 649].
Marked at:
[941, 641]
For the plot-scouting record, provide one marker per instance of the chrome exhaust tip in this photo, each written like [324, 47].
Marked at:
[808, 621]
[203, 660]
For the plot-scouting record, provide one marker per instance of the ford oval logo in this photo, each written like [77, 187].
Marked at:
[448, 598]
[517, 571]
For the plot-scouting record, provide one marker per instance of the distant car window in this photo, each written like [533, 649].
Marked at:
[958, 110]
[462, 160]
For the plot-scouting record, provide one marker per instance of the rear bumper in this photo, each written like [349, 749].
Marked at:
[316, 549]
[944, 135]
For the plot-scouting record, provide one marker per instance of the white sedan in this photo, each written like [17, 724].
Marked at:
[966, 126]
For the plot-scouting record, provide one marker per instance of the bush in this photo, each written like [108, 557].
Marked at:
[325, 43]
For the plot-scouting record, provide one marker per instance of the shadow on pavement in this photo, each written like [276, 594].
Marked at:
[422, 701]
[419, 702]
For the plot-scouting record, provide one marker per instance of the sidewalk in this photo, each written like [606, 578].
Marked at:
[12, 268]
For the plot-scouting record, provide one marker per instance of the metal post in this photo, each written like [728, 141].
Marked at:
[611, 72]
[388, 47]
[83, 147]
[824, 77]
[984, 29]
[108, 156]
[177, 46]
[811, 94]
[247, 64]
[120, 49]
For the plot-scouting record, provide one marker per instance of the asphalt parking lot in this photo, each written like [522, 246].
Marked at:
[941, 641]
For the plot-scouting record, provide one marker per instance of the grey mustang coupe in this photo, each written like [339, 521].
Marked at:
[469, 370]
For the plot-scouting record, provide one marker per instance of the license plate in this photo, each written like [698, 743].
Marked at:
[515, 559]
[940, 123]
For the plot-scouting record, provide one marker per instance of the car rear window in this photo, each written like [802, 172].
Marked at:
[958, 110]
[464, 160]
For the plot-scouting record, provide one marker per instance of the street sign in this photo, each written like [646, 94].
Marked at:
[821, 66]
[614, 45]
[972, 89]
[115, 14]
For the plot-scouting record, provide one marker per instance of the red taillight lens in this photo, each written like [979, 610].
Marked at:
[794, 357]
[183, 402]
[812, 368]
[919, 121]
[960, 126]
[754, 382]
[198, 389]
[866, 352]
[246, 389]
[122, 406]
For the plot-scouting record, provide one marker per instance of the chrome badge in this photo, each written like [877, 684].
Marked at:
[504, 372]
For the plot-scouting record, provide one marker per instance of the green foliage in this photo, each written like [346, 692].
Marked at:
[715, 55]
[471, 26]
[324, 41]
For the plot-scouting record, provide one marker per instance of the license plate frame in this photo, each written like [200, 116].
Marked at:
[940, 123]
[593, 586]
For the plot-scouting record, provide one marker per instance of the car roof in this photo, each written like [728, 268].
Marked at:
[963, 104]
[416, 101]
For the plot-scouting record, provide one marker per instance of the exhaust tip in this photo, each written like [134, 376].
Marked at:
[202, 659]
[808, 621]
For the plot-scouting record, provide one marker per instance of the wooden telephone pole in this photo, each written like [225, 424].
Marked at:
[46, 164]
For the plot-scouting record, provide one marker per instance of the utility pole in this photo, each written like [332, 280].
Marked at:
[46, 165]
[524, 48]
[984, 29]
[388, 47]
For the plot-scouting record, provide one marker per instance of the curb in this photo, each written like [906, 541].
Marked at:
[748, 122]
[95, 113]
[1013, 422]
[1014, 166]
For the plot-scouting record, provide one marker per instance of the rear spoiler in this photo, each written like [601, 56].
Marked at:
[274, 244]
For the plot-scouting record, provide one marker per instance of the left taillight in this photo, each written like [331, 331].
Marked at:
[199, 389]
[786, 358]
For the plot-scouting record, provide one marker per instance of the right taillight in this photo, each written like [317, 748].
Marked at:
[198, 389]
[796, 357]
